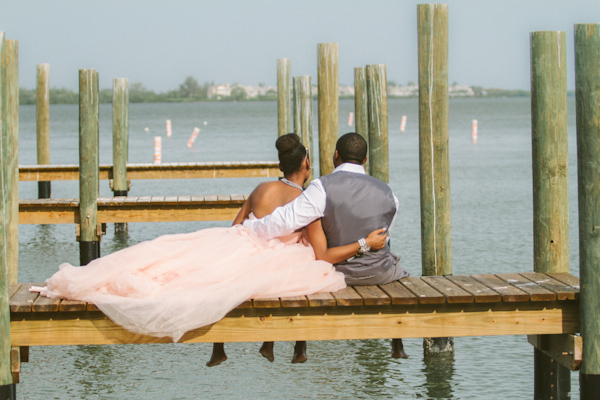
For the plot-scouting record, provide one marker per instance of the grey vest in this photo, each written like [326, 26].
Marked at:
[357, 205]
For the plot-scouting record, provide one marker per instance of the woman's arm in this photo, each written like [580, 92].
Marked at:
[244, 212]
[316, 237]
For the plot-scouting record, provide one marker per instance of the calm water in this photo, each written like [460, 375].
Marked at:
[491, 230]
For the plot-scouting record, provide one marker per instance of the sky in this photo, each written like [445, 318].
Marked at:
[160, 43]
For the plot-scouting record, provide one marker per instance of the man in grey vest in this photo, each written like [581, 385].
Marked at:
[351, 204]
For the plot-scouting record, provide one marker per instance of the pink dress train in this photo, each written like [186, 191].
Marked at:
[175, 283]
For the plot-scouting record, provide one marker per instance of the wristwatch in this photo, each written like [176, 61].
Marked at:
[364, 247]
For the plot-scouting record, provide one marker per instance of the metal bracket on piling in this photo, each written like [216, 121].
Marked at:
[566, 349]
[100, 230]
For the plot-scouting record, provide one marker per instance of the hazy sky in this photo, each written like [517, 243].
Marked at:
[159, 43]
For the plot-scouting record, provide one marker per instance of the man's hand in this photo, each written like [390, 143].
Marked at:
[376, 239]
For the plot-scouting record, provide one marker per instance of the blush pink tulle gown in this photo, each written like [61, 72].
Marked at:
[175, 283]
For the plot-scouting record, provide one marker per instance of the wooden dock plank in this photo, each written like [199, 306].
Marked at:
[321, 300]
[563, 292]
[12, 289]
[246, 304]
[22, 301]
[565, 278]
[268, 302]
[72, 305]
[45, 304]
[237, 198]
[157, 200]
[347, 297]
[170, 200]
[211, 199]
[425, 293]
[535, 291]
[91, 307]
[399, 294]
[509, 293]
[372, 295]
[453, 293]
[482, 293]
[294, 302]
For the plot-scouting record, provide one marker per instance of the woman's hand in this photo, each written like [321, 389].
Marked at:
[376, 240]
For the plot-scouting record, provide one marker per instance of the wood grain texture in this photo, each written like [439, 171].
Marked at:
[5, 349]
[452, 292]
[120, 133]
[270, 302]
[587, 93]
[294, 301]
[321, 300]
[550, 155]
[22, 301]
[434, 161]
[42, 110]
[284, 68]
[379, 154]
[45, 304]
[72, 305]
[361, 111]
[509, 293]
[480, 292]
[11, 161]
[303, 115]
[372, 295]
[566, 349]
[399, 294]
[563, 292]
[536, 292]
[425, 293]
[347, 297]
[328, 103]
[15, 364]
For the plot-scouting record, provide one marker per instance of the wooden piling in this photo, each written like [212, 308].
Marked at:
[303, 114]
[434, 161]
[587, 92]
[549, 133]
[88, 165]
[378, 122]
[43, 124]
[6, 382]
[284, 67]
[327, 66]
[12, 159]
[361, 112]
[120, 114]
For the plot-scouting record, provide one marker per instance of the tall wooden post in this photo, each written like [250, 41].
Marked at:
[361, 112]
[43, 124]
[89, 168]
[434, 160]
[7, 388]
[549, 133]
[303, 114]
[284, 67]
[120, 114]
[327, 66]
[12, 159]
[378, 122]
[587, 91]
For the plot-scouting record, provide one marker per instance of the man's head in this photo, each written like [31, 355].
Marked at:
[350, 148]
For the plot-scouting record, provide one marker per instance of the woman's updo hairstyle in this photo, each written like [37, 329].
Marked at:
[291, 152]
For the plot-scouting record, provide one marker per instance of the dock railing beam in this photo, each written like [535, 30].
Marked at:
[587, 91]
[43, 124]
[550, 167]
[361, 112]
[89, 169]
[284, 67]
[7, 386]
[12, 159]
[327, 70]
[434, 161]
[378, 122]
[303, 114]
[120, 115]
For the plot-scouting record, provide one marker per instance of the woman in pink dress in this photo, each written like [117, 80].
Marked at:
[204, 274]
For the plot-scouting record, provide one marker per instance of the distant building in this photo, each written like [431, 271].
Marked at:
[223, 90]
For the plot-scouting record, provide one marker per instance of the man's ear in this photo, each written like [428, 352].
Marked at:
[336, 155]
[364, 161]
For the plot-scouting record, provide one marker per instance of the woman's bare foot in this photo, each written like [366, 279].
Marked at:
[267, 351]
[299, 353]
[398, 349]
[218, 355]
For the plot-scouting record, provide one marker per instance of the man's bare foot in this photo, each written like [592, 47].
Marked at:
[398, 349]
[299, 353]
[218, 355]
[267, 351]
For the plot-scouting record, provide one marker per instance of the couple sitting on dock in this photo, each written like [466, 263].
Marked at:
[284, 242]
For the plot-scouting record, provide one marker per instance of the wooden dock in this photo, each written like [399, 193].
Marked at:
[135, 209]
[478, 305]
[199, 170]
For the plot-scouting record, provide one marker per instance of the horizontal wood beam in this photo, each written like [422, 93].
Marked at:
[200, 170]
[566, 349]
[323, 323]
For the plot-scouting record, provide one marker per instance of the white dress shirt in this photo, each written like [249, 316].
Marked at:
[306, 208]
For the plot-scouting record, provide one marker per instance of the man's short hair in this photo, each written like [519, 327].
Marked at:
[352, 147]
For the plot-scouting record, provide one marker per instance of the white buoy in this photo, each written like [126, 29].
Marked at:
[147, 129]
[403, 124]
[169, 132]
[192, 139]
[350, 118]
[157, 149]
[205, 123]
[474, 131]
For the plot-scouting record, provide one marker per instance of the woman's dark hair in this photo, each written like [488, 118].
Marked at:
[291, 152]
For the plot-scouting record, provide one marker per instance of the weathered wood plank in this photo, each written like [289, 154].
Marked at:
[15, 364]
[22, 301]
[453, 293]
[372, 295]
[399, 294]
[246, 304]
[565, 278]
[482, 293]
[12, 289]
[321, 300]
[72, 305]
[45, 304]
[566, 349]
[563, 292]
[294, 301]
[425, 293]
[269, 302]
[535, 291]
[347, 297]
[509, 293]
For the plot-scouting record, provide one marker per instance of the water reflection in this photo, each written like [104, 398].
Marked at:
[439, 373]
[96, 369]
